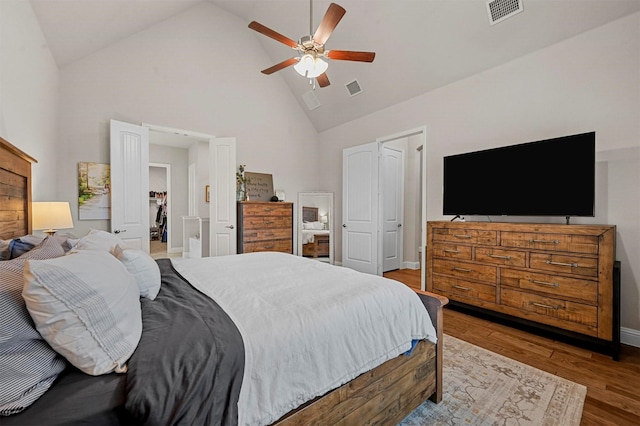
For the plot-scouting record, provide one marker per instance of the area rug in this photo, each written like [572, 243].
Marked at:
[484, 388]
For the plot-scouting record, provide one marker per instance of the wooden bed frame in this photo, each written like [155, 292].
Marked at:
[320, 245]
[15, 191]
[389, 392]
[383, 395]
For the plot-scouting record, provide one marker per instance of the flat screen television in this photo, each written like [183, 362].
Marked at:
[553, 177]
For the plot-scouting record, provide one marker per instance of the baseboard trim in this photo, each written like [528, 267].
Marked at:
[630, 337]
[174, 250]
[411, 265]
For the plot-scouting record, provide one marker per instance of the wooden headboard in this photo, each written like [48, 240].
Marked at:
[309, 214]
[15, 191]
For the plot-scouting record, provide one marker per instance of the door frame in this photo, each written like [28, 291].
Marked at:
[422, 130]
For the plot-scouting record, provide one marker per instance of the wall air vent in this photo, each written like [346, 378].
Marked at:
[354, 88]
[311, 100]
[499, 10]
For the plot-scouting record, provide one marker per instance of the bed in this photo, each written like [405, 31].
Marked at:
[188, 365]
[315, 239]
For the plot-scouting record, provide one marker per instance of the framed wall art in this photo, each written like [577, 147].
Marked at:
[259, 186]
[94, 191]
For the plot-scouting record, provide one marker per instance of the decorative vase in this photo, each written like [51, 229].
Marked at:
[241, 193]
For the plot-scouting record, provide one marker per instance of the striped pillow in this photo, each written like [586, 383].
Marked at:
[28, 365]
[86, 305]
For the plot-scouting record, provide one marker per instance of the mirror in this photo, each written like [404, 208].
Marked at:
[315, 225]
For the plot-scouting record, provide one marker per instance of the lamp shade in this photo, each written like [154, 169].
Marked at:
[49, 216]
[310, 66]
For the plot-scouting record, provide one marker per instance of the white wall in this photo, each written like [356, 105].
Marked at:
[588, 83]
[29, 96]
[189, 72]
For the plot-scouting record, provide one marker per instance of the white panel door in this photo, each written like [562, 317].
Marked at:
[360, 208]
[222, 208]
[130, 184]
[392, 184]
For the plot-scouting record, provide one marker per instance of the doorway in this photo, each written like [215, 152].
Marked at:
[170, 158]
[363, 208]
[159, 209]
[130, 156]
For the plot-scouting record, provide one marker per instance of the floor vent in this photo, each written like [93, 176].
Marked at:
[499, 10]
[353, 87]
[311, 100]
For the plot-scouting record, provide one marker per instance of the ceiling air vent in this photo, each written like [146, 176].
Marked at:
[499, 10]
[311, 100]
[353, 87]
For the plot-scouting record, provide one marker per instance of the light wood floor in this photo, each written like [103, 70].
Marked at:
[613, 388]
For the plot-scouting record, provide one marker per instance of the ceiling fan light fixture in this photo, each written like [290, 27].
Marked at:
[310, 67]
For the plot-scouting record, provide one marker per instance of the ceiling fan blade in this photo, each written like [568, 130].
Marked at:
[256, 26]
[281, 65]
[329, 22]
[348, 55]
[323, 80]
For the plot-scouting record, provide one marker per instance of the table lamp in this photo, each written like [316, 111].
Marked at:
[325, 221]
[49, 216]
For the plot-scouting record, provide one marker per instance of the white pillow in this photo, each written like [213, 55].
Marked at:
[143, 268]
[316, 225]
[98, 240]
[87, 307]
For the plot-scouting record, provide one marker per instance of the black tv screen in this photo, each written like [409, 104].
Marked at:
[553, 177]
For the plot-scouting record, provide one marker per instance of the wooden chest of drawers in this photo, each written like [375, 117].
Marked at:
[265, 226]
[561, 276]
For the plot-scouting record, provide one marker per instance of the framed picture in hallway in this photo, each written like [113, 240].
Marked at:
[94, 191]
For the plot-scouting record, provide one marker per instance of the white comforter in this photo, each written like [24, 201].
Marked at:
[308, 327]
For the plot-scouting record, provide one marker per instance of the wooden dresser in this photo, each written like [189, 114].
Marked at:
[265, 226]
[559, 276]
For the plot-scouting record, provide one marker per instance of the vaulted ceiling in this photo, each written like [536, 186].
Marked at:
[420, 45]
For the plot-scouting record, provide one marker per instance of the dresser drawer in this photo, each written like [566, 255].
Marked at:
[471, 236]
[500, 257]
[465, 270]
[285, 246]
[452, 251]
[585, 244]
[576, 265]
[266, 234]
[259, 222]
[551, 307]
[554, 285]
[267, 209]
[465, 289]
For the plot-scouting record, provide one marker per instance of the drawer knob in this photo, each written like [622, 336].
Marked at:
[461, 269]
[462, 236]
[541, 305]
[545, 283]
[451, 251]
[544, 241]
[573, 265]
[500, 257]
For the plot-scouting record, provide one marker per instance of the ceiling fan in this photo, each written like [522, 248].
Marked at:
[311, 49]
